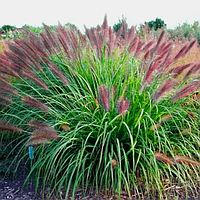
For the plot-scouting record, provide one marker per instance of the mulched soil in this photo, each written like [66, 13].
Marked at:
[11, 188]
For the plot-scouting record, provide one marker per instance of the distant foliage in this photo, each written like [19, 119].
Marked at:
[7, 28]
[37, 30]
[185, 32]
[155, 25]
[8, 31]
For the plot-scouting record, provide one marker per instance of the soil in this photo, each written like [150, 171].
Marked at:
[11, 188]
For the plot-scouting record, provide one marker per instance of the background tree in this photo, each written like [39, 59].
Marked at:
[7, 28]
[155, 25]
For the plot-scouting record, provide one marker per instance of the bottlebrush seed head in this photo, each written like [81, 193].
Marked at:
[164, 158]
[47, 132]
[104, 97]
[122, 105]
[35, 124]
[34, 103]
[186, 90]
[9, 127]
[42, 130]
[38, 141]
[186, 160]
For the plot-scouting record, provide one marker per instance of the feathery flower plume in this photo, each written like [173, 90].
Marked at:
[117, 38]
[83, 40]
[36, 43]
[35, 124]
[9, 128]
[138, 49]
[168, 86]
[111, 40]
[17, 51]
[186, 160]
[7, 88]
[160, 48]
[46, 132]
[147, 46]
[180, 53]
[186, 90]
[4, 61]
[130, 35]
[14, 62]
[161, 37]
[30, 55]
[30, 75]
[46, 43]
[38, 141]
[193, 70]
[146, 55]
[178, 70]
[51, 36]
[4, 79]
[35, 103]
[104, 97]
[165, 48]
[73, 39]
[42, 133]
[122, 105]
[164, 158]
[190, 47]
[8, 71]
[105, 28]
[58, 73]
[167, 61]
[64, 40]
[124, 30]
[133, 45]
[113, 91]
[148, 77]
[4, 99]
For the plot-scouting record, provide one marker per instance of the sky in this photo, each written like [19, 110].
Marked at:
[91, 12]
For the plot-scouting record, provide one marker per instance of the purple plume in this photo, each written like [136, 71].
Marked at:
[186, 90]
[104, 97]
[35, 103]
[122, 105]
[10, 128]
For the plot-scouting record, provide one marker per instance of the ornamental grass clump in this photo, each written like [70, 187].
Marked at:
[103, 111]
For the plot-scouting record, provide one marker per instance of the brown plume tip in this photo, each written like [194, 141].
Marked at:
[186, 160]
[164, 158]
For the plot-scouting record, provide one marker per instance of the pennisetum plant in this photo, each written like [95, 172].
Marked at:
[103, 111]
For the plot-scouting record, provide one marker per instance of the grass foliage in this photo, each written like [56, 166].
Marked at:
[103, 110]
